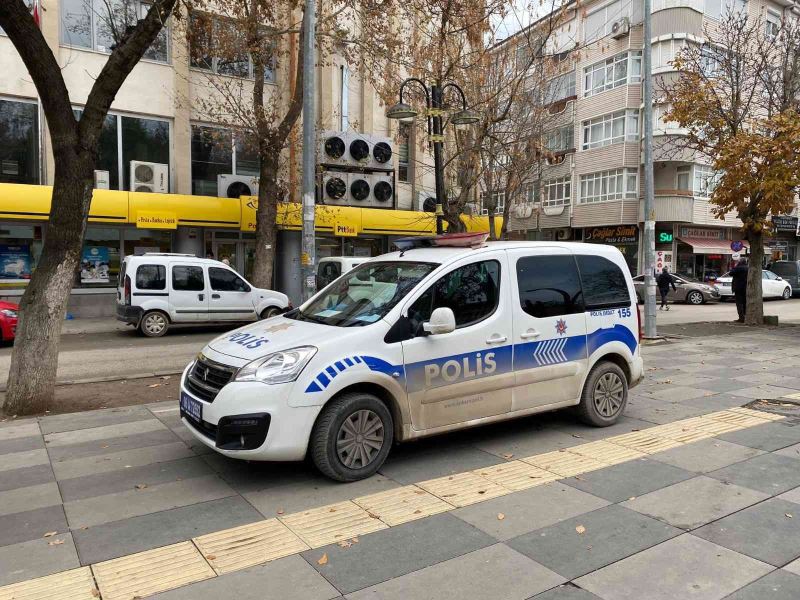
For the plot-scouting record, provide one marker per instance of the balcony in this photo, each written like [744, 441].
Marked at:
[671, 205]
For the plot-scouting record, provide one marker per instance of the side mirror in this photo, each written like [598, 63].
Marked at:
[442, 321]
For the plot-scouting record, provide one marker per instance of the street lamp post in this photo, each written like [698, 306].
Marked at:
[434, 112]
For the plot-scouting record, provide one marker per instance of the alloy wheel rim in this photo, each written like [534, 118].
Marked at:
[154, 323]
[360, 439]
[696, 298]
[609, 392]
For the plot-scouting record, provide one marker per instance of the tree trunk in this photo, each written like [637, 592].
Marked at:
[34, 358]
[492, 235]
[755, 302]
[269, 194]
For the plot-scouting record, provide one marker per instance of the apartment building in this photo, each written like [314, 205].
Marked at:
[592, 190]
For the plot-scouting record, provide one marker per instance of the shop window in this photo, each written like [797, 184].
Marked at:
[604, 284]
[188, 279]
[100, 259]
[19, 142]
[20, 249]
[151, 277]
[141, 241]
[549, 286]
[223, 280]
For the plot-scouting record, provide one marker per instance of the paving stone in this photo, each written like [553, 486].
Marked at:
[20, 460]
[32, 524]
[778, 585]
[19, 430]
[765, 392]
[94, 434]
[93, 418]
[100, 484]
[568, 591]
[112, 445]
[37, 558]
[611, 534]
[26, 476]
[625, 480]
[29, 498]
[493, 572]
[93, 465]
[697, 569]
[768, 473]
[762, 531]
[289, 578]
[137, 534]
[706, 455]
[725, 384]
[133, 503]
[529, 510]
[585, 433]
[791, 451]
[678, 393]
[414, 462]
[717, 401]
[791, 495]
[660, 412]
[694, 502]
[396, 551]
[32, 442]
[769, 437]
[793, 567]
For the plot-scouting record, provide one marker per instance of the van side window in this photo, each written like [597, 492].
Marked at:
[471, 291]
[223, 280]
[188, 279]
[151, 277]
[604, 284]
[328, 271]
[549, 286]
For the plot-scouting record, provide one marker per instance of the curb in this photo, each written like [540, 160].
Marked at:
[111, 378]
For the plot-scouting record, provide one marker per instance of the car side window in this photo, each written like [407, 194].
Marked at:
[549, 286]
[327, 272]
[188, 279]
[472, 292]
[603, 282]
[151, 277]
[223, 280]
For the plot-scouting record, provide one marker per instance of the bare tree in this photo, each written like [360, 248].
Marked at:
[34, 359]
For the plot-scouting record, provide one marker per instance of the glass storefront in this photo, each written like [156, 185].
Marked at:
[100, 259]
[20, 249]
[623, 237]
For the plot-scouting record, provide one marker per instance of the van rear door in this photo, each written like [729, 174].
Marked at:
[188, 293]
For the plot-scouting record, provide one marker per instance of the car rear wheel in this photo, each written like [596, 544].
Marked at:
[605, 395]
[352, 437]
[154, 324]
[694, 297]
[787, 293]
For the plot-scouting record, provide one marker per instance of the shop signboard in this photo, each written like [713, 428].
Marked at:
[702, 232]
[619, 235]
[784, 223]
[94, 264]
[778, 245]
[15, 263]
[663, 259]
[156, 220]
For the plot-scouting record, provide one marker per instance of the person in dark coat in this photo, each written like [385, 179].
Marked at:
[663, 281]
[739, 287]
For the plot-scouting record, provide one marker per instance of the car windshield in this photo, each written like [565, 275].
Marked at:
[365, 294]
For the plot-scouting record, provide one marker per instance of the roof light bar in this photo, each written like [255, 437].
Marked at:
[449, 240]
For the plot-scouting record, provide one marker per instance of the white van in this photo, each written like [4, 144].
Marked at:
[158, 290]
[331, 267]
[448, 338]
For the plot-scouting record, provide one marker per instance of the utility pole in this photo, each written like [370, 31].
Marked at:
[649, 238]
[308, 251]
[437, 137]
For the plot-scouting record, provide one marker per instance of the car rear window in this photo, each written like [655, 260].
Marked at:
[549, 286]
[784, 268]
[151, 277]
[604, 283]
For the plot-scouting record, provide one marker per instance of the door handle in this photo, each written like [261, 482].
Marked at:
[530, 334]
[200, 296]
[496, 339]
[215, 296]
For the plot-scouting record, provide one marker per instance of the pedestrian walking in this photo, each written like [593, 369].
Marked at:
[663, 282]
[739, 286]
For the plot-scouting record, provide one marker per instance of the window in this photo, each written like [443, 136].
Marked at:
[471, 292]
[151, 277]
[772, 24]
[598, 23]
[404, 152]
[665, 51]
[100, 24]
[560, 88]
[188, 279]
[721, 8]
[19, 142]
[217, 151]
[549, 286]
[498, 201]
[561, 139]
[327, 272]
[683, 177]
[660, 122]
[139, 241]
[610, 129]
[604, 284]
[618, 70]
[705, 180]
[143, 139]
[557, 192]
[344, 99]
[223, 280]
[206, 33]
[609, 185]
[100, 257]
[20, 250]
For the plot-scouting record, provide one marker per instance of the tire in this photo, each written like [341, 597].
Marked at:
[154, 323]
[787, 293]
[603, 411]
[695, 297]
[341, 419]
[269, 312]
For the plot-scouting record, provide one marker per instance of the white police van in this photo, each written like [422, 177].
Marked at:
[420, 342]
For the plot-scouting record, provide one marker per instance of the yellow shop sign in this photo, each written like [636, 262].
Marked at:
[156, 220]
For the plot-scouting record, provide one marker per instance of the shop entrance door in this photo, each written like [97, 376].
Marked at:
[241, 255]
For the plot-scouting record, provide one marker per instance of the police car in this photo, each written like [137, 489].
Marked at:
[446, 333]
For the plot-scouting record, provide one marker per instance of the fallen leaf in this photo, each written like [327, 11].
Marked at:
[580, 529]
[95, 592]
[211, 556]
[632, 498]
[788, 516]
[141, 486]
[279, 511]
[575, 435]
[354, 540]
[508, 456]
[481, 491]
[500, 516]
[417, 512]
[332, 510]
[166, 377]
[323, 560]
[345, 544]
[55, 543]
[153, 385]
[50, 534]
[373, 515]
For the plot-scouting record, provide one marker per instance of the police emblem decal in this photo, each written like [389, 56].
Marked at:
[561, 327]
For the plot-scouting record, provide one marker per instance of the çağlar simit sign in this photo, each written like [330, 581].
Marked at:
[621, 234]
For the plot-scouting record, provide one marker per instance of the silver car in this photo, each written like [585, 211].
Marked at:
[686, 290]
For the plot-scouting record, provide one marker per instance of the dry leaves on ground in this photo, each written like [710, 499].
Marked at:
[323, 560]
[580, 529]
[500, 516]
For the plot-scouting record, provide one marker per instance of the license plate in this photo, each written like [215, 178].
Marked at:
[191, 407]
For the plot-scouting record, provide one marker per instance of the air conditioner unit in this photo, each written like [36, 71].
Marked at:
[381, 153]
[426, 202]
[620, 28]
[382, 190]
[149, 177]
[563, 234]
[357, 150]
[360, 185]
[336, 188]
[333, 148]
[102, 181]
[233, 186]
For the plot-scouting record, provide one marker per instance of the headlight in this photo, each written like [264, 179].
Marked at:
[278, 367]
[9, 313]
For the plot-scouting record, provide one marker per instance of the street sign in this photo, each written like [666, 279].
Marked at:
[736, 256]
[737, 245]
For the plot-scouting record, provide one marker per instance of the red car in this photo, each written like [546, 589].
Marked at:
[8, 321]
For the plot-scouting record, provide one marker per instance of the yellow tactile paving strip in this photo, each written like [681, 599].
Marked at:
[248, 545]
[166, 568]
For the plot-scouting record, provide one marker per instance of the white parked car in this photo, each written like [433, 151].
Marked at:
[158, 290]
[772, 286]
[420, 342]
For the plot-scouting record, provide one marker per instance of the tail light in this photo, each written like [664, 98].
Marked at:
[639, 320]
[127, 290]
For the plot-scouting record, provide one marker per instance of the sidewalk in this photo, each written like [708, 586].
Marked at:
[699, 509]
[93, 326]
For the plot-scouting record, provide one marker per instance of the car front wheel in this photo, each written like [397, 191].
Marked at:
[695, 297]
[270, 312]
[154, 324]
[787, 293]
